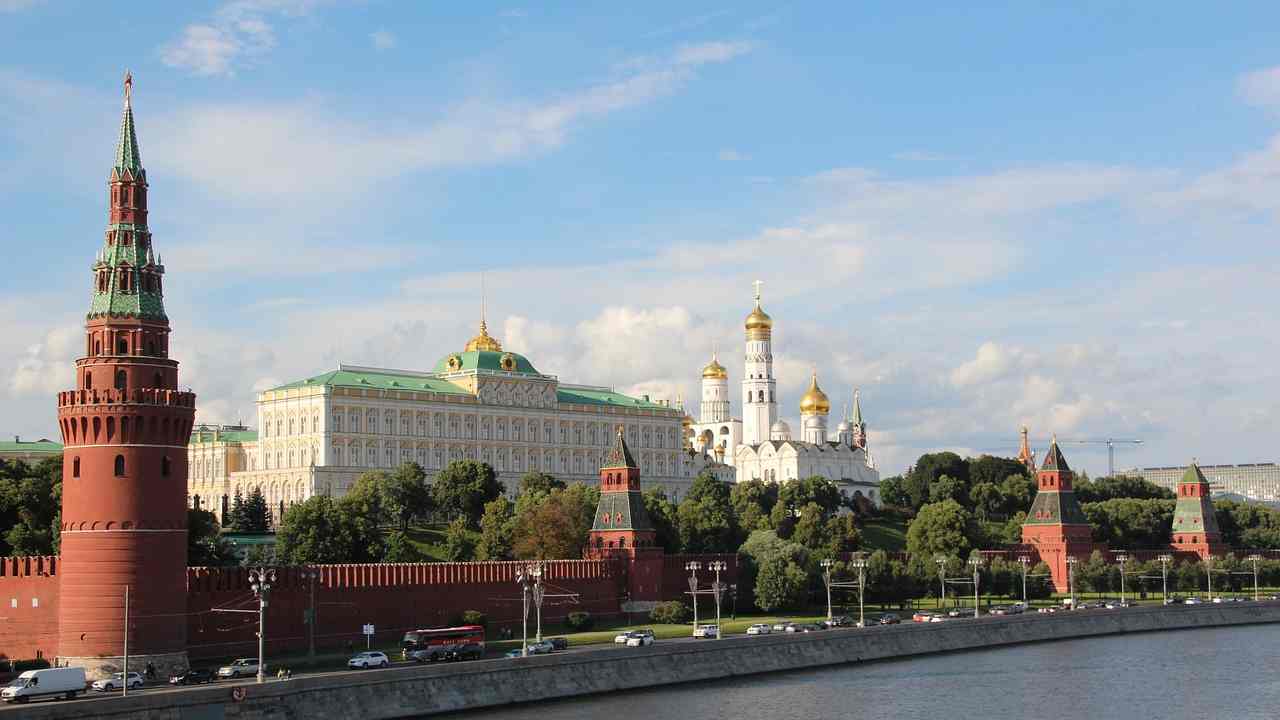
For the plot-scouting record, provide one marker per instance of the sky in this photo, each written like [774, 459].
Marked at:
[983, 215]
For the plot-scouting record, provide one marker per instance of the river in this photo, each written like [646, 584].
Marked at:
[1201, 674]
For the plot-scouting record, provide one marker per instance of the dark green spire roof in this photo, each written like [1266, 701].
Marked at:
[128, 157]
[619, 455]
[1054, 460]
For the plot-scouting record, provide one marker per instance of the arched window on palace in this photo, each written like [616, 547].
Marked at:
[121, 380]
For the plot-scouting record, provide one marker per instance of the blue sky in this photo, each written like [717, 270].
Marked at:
[983, 216]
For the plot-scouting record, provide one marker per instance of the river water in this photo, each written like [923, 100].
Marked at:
[1227, 673]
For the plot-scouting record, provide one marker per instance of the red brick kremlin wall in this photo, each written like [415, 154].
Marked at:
[28, 608]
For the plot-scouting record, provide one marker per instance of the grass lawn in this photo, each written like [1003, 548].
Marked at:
[429, 540]
[885, 533]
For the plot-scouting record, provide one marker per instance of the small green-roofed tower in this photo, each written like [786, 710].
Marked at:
[1056, 526]
[623, 531]
[1195, 526]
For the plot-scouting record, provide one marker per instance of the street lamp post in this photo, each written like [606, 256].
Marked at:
[311, 575]
[1208, 572]
[1122, 558]
[717, 588]
[941, 560]
[1165, 559]
[522, 579]
[693, 568]
[1255, 559]
[1071, 578]
[861, 564]
[535, 571]
[976, 562]
[260, 581]
[826, 578]
[1024, 561]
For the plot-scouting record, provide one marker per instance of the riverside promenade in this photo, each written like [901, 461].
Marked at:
[423, 691]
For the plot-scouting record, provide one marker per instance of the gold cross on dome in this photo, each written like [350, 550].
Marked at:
[757, 285]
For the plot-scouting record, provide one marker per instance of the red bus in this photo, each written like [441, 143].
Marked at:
[438, 641]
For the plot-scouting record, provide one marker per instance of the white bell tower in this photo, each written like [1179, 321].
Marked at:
[759, 399]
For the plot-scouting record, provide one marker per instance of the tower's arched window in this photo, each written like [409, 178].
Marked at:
[151, 347]
[88, 380]
[122, 346]
[75, 467]
[165, 466]
[121, 380]
[119, 466]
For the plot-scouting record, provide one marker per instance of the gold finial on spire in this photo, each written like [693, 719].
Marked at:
[483, 341]
[759, 324]
[128, 87]
[814, 400]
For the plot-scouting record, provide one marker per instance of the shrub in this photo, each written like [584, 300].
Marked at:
[579, 621]
[475, 617]
[24, 665]
[672, 612]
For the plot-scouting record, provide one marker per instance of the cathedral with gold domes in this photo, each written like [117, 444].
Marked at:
[759, 445]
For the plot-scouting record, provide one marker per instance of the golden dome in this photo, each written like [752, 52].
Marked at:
[714, 370]
[759, 324]
[814, 400]
[483, 341]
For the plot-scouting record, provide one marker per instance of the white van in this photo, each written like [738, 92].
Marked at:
[50, 682]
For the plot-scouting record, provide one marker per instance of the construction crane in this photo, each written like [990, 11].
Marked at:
[1111, 449]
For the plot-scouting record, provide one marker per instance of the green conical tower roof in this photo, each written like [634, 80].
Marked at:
[619, 455]
[128, 157]
[1194, 512]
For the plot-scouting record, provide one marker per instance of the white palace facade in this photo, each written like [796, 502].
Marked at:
[319, 434]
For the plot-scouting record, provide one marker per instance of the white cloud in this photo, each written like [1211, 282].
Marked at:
[296, 146]
[49, 366]
[383, 40]
[239, 32]
[1261, 87]
[991, 362]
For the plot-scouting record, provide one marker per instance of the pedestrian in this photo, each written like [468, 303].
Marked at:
[151, 671]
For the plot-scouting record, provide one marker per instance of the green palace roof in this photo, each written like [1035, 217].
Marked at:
[209, 435]
[490, 360]
[354, 377]
[43, 445]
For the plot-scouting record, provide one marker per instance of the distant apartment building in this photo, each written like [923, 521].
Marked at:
[1258, 482]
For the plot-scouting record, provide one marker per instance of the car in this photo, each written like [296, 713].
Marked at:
[1119, 604]
[759, 629]
[938, 618]
[1193, 601]
[559, 643]
[640, 638]
[781, 625]
[807, 628]
[541, 647]
[65, 682]
[888, 619]
[958, 612]
[622, 637]
[839, 621]
[369, 659]
[117, 682]
[706, 631]
[513, 653]
[244, 667]
[1017, 608]
[191, 677]
[429, 654]
[921, 616]
[465, 651]
[1220, 600]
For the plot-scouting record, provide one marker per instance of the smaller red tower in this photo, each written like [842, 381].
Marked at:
[1055, 525]
[1025, 454]
[622, 527]
[1195, 526]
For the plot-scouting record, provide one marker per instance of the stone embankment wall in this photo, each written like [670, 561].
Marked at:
[418, 691]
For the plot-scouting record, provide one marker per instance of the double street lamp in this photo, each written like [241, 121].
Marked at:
[1255, 559]
[260, 581]
[1122, 559]
[858, 562]
[693, 567]
[311, 575]
[941, 560]
[529, 578]
[717, 589]
[1165, 559]
[1071, 578]
[1024, 561]
[976, 562]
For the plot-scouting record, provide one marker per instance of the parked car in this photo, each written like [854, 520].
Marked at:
[759, 629]
[46, 682]
[117, 681]
[244, 667]
[369, 659]
[191, 677]
[888, 619]
[706, 631]
[640, 638]
[559, 643]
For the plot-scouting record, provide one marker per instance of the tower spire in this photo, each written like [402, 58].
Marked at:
[128, 157]
[857, 407]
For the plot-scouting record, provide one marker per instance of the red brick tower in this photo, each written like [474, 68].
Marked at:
[622, 527]
[1027, 457]
[125, 428]
[1055, 525]
[1195, 526]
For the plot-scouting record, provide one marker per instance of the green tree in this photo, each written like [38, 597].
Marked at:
[927, 470]
[1111, 488]
[368, 498]
[948, 488]
[662, 513]
[558, 526]
[496, 528]
[235, 517]
[893, 492]
[1127, 523]
[321, 531]
[463, 488]
[940, 528]
[459, 545]
[795, 494]
[1018, 491]
[705, 517]
[256, 516]
[400, 549]
[994, 470]
[406, 495]
[988, 501]
[780, 584]
[752, 503]
[31, 504]
[539, 482]
[205, 545]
